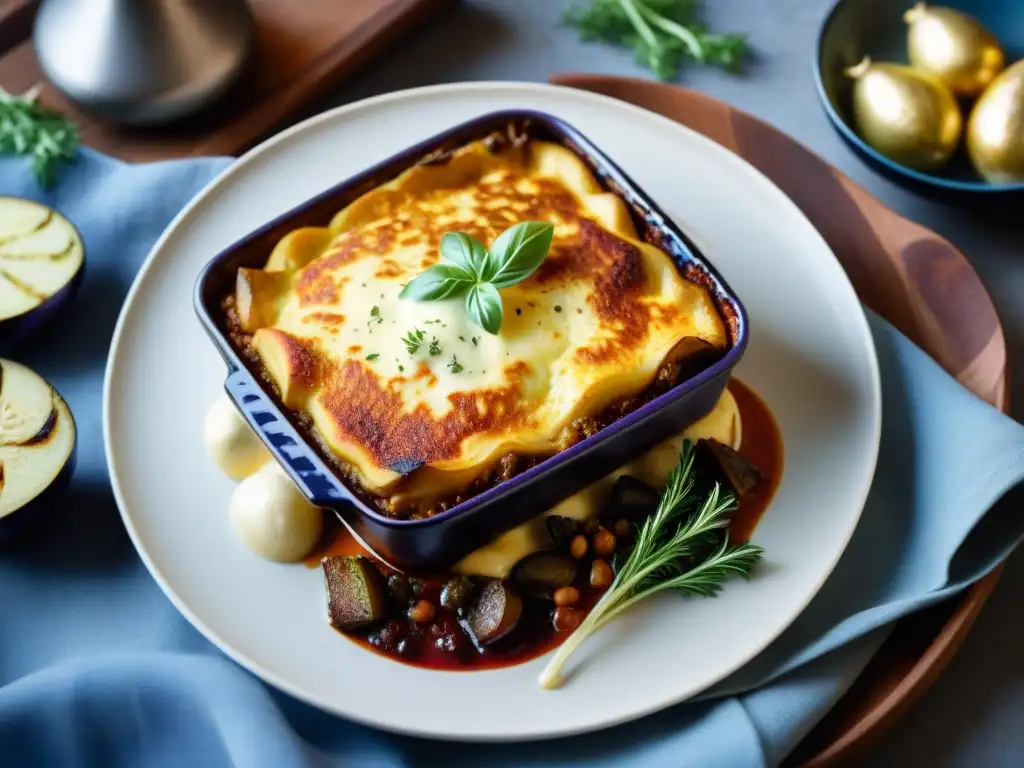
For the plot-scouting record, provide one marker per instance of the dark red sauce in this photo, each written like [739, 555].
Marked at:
[445, 645]
[762, 446]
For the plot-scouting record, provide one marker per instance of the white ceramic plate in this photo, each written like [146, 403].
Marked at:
[810, 356]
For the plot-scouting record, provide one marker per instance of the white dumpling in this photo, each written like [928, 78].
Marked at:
[272, 518]
[230, 441]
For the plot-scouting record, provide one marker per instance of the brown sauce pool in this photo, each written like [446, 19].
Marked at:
[443, 644]
[761, 445]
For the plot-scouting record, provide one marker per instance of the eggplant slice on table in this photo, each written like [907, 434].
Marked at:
[37, 448]
[41, 266]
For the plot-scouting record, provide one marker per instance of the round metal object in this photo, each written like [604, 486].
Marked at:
[142, 61]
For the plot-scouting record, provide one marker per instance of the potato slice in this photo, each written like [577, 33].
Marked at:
[298, 248]
[259, 296]
[291, 361]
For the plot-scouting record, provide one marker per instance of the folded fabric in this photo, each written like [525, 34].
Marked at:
[98, 669]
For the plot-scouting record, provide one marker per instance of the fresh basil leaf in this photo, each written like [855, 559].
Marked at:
[465, 251]
[517, 253]
[441, 281]
[483, 305]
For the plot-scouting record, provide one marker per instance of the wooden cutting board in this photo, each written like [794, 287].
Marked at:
[925, 287]
[304, 49]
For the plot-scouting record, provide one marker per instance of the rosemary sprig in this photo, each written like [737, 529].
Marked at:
[28, 129]
[662, 33]
[683, 546]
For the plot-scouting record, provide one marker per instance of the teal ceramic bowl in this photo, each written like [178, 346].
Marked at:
[875, 28]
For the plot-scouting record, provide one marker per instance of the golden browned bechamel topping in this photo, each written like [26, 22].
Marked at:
[414, 396]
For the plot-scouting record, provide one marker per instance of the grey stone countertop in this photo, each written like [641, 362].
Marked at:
[972, 716]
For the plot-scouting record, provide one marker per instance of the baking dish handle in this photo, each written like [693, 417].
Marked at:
[310, 473]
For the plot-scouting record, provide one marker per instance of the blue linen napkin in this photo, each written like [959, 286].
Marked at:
[98, 669]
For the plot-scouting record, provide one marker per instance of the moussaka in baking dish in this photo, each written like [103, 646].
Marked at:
[420, 407]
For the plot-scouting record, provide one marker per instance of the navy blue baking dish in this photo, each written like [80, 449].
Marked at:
[439, 541]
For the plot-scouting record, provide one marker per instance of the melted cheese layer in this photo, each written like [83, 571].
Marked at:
[590, 328]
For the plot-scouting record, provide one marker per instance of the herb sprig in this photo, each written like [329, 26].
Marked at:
[375, 317]
[413, 340]
[28, 129]
[683, 546]
[662, 33]
[472, 270]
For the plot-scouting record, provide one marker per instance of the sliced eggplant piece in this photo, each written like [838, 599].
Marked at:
[356, 593]
[561, 529]
[632, 500]
[26, 404]
[41, 261]
[37, 448]
[691, 355]
[727, 464]
[495, 611]
[541, 573]
[456, 594]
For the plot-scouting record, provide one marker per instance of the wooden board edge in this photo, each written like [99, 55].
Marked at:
[379, 33]
[16, 20]
[858, 741]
